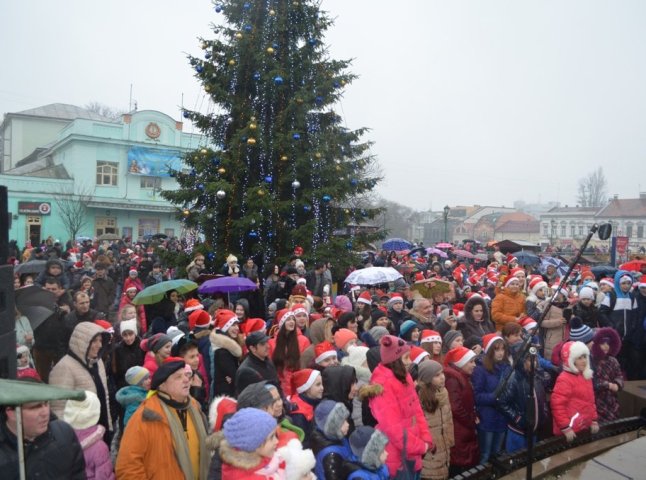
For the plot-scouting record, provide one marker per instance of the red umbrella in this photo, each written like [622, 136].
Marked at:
[463, 254]
[444, 245]
[634, 265]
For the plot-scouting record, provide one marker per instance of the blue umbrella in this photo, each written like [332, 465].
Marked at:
[560, 265]
[526, 258]
[397, 244]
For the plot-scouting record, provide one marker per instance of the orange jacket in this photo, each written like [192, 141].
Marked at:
[506, 307]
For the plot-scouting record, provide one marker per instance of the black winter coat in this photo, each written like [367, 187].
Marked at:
[513, 403]
[124, 357]
[335, 467]
[54, 455]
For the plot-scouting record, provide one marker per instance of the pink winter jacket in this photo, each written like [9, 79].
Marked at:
[98, 464]
[398, 409]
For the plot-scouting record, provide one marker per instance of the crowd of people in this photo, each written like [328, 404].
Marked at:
[297, 381]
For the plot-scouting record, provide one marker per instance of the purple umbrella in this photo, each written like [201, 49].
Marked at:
[227, 285]
[436, 251]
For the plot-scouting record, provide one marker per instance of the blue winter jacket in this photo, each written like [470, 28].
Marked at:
[484, 384]
[130, 398]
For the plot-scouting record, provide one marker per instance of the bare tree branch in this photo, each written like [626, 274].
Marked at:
[592, 189]
[72, 207]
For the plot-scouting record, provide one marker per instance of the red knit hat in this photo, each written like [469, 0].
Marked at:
[429, 336]
[253, 325]
[489, 339]
[324, 350]
[343, 336]
[459, 356]
[528, 323]
[392, 348]
[220, 408]
[418, 354]
[365, 298]
[224, 319]
[199, 318]
[303, 379]
[192, 304]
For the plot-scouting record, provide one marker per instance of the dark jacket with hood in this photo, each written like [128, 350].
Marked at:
[63, 277]
[337, 383]
[606, 370]
[226, 358]
[469, 326]
[619, 311]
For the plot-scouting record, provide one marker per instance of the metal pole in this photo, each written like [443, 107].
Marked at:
[20, 441]
[531, 414]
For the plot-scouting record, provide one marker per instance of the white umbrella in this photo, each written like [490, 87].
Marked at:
[373, 276]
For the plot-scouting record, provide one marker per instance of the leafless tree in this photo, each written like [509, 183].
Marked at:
[104, 110]
[72, 205]
[592, 189]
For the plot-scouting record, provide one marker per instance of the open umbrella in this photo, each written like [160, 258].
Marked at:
[526, 258]
[155, 293]
[35, 303]
[227, 285]
[560, 265]
[14, 392]
[33, 266]
[397, 244]
[633, 265]
[436, 251]
[373, 276]
[443, 245]
[464, 254]
[601, 271]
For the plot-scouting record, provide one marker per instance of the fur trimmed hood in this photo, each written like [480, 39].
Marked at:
[219, 408]
[371, 390]
[238, 458]
[214, 440]
[472, 302]
[612, 337]
[570, 352]
[219, 340]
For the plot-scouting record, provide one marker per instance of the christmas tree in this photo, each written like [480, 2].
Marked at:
[280, 170]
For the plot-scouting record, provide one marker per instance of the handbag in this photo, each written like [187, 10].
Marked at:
[407, 469]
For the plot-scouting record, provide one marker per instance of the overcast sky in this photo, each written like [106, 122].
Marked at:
[469, 102]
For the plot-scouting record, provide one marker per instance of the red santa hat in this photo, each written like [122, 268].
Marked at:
[324, 350]
[641, 283]
[221, 407]
[365, 298]
[419, 277]
[562, 291]
[133, 272]
[192, 304]
[418, 354]
[299, 308]
[395, 298]
[459, 356]
[515, 271]
[132, 287]
[510, 279]
[253, 325]
[429, 336]
[199, 318]
[607, 281]
[489, 339]
[528, 323]
[303, 379]
[282, 316]
[225, 319]
[511, 259]
[105, 325]
[536, 283]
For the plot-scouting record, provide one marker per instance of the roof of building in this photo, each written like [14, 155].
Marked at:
[625, 207]
[567, 209]
[520, 227]
[64, 111]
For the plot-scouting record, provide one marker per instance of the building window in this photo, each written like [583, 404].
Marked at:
[581, 230]
[148, 226]
[546, 230]
[572, 231]
[640, 231]
[150, 182]
[563, 230]
[106, 225]
[106, 173]
[629, 231]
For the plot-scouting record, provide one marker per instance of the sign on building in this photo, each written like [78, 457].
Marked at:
[35, 208]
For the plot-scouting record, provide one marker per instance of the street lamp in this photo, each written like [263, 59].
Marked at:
[552, 231]
[446, 222]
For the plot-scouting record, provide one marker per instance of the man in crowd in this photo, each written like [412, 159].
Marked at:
[104, 290]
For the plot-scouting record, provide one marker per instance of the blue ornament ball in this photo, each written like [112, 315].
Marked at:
[246, 6]
[312, 41]
[326, 198]
[354, 182]
[193, 172]
[318, 100]
[207, 55]
[268, 179]
[199, 69]
[200, 186]
[253, 234]
[296, 136]
[278, 80]
[256, 76]
[348, 245]
[215, 162]
[185, 114]
[248, 28]
[218, 8]
[337, 85]
[274, 46]
[210, 255]
[306, 208]
[364, 213]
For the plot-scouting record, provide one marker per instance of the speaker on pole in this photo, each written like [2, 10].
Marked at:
[7, 305]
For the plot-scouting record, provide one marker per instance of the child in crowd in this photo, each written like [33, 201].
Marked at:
[607, 379]
[343, 339]
[131, 396]
[431, 341]
[83, 416]
[127, 353]
[308, 385]
[329, 442]
[572, 402]
[325, 355]
[369, 447]
[248, 450]
[25, 368]
[437, 410]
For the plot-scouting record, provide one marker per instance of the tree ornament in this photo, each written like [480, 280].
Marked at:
[284, 158]
[348, 245]
[256, 76]
[318, 100]
[221, 194]
[278, 80]
[312, 41]
[354, 182]
[246, 6]
[261, 192]
[232, 62]
[209, 216]
[186, 114]
[252, 221]
[347, 211]
[326, 198]
[238, 35]
[299, 100]
[296, 184]
[317, 155]
[204, 151]
[306, 208]
[270, 50]
[251, 141]
[207, 88]
[338, 168]
[248, 28]
[253, 119]
[252, 126]
[222, 170]
[268, 179]
[272, 13]
[253, 234]
[364, 213]
[215, 162]
[207, 55]
[186, 212]
[210, 256]
[199, 69]
[296, 136]
[205, 45]
[218, 8]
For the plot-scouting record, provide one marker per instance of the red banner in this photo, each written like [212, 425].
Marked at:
[622, 245]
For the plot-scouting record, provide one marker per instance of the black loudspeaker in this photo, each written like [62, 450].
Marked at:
[7, 305]
[4, 226]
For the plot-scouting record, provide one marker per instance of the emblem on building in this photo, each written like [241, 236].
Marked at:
[153, 131]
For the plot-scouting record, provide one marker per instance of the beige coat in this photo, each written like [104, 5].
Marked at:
[70, 373]
[436, 466]
[553, 327]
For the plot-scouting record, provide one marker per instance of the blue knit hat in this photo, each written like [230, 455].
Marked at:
[329, 417]
[248, 429]
[406, 327]
[579, 331]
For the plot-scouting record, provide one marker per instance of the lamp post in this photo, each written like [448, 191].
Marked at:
[552, 231]
[446, 222]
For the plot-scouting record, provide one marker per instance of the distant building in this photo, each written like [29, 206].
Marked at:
[62, 150]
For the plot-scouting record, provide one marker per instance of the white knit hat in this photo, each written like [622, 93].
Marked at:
[82, 414]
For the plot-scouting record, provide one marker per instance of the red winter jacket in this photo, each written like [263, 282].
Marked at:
[572, 400]
[465, 452]
[398, 409]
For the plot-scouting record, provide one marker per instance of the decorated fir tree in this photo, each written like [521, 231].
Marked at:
[280, 169]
